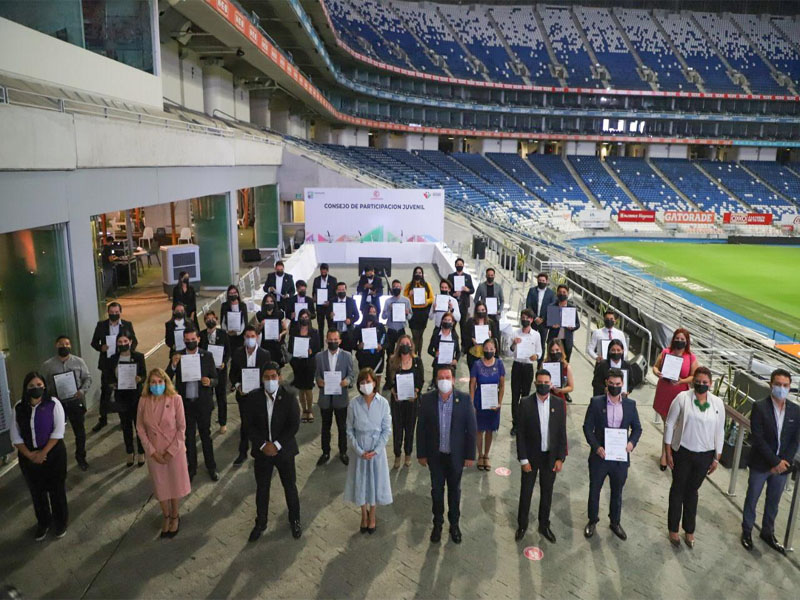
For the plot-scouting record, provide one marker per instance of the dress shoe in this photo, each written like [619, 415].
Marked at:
[344, 458]
[213, 475]
[61, 531]
[397, 462]
[83, 465]
[297, 530]
[256, 533]
[455, 534]
[520, 533]
[689, 542]
[99, 425]
[436, 534]
[619, 531]
[172, 534]
[191, 475]
[407, 462]
[548, 534]
[240, 459]
[513, 431]
[588, 531]
[363, 529]
[371, 530]
[41, 533]
[323, 459]
[772, 542]
[747, 541]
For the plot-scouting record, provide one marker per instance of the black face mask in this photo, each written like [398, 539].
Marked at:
[63, 351]
[447, 325]
[555, 356]
[614, 390]
[396, 291]
[185, 280]
[490, 280]
[341, 295]
[679, 344]
[459, 268]
[541, 285]
[609, 323]
[304, 321]
[269, 307]
[371, 318]
[525, 322]
[279, 273]
[211, 324]
[36, 392]
[191, 345]
[333, 346]
[615, 357]
[561, 297]
[123, 347]
[113, 318]
[542, 389]
[700, 388]
[232, 298]
[405, 349]
[301, 293]
[417, 277]
[178, 316]
[488, 354]
[480, 315]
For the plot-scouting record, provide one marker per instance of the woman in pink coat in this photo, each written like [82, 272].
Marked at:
[161, 426]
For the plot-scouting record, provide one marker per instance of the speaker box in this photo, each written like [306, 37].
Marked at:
[251, 255]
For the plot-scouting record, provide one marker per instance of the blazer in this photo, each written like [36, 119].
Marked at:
[101, 330]
[226, 308]
[161, 425]
[463, 429]
[239, 362]
[187, 298]
[350, 311]
[532, 301]
[285, 421]
[481, 295]
[344, 364]
[376, 291]
[314, 343]
[601, 372]
[463, 299]
[433, 345]
[568, 333]
[288, 285]
[764, 435]
[310, 305]
[207, 369]
[169, 331]
[680, 405]
[317, 285]
[469, 333]
[596, 421]
[141, 370]
[222, 340]
[380, 333]
[529, 436]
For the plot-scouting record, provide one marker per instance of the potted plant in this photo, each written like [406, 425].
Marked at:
[739, 401]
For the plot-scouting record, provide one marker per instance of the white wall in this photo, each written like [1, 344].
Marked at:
[581, 148]
[218, 91]
[484, 145]
[666, 151]
[290, 124]
[159, 215]
[748, 153]
[182, 75]
[241, 98]
[29, 54]
[298, 172]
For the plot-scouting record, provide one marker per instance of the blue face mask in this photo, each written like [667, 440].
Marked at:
[157, 389]
[779, 392]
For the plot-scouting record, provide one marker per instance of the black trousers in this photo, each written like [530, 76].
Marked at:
[263, 468]
[244, 442]
[341, 426]
[46, 483]
[404, 421]
[521, 382]
[322, 320]
[547, 477]
[687, 476]
[198, 418]
[444, 473]
[221, 394]
[617, 472]
[105, 398]
[127, 421]
[391, 340]
[75, 411]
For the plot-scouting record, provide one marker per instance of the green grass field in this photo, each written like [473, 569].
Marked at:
[761, 283]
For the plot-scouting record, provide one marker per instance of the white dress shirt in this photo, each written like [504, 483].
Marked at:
[436, 316]
[780, 412]
[702, 430]
[279, 283]
[270, 407]
[113, 328]
[544, 424]
[59, 425]
[537, 344]
[539, 301]
[251, 357]
[593, 347]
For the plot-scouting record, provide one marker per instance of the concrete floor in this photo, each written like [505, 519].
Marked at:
[112, 549]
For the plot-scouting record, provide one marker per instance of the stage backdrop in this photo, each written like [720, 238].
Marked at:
[374, 215]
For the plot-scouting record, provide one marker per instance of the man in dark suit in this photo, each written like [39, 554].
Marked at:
[281, 285]
[273, 418]
[110, 326]
[215, 336]
[327, 282]
[616, 360]
[301, 298]
[345, 328]
[198, 401]
[249, 356]
[539, 298]
[446, 433]
[371, 289]
[610, 410]
[462, 294]
[541, 449]
[775, 437]
[554, 329]
[173, 329]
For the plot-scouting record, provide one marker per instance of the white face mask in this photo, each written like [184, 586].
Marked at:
[366, 388]
[445, 385]
[251, 342]
[271, 386]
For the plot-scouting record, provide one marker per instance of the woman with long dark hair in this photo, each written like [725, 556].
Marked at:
[419, 311]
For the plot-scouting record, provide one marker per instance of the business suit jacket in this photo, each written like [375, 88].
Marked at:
[317, 285]
[239, 362]
[187, 298]
[469, 333]
[463, 429]
[222, 340]
[532, 301]
[310, 305]
[569, 334]
[110, 375]
[207, 369]
[287, 289]
[596, 421]
[226, 308]
[433, 345]
[285, 421]
[101, 330]
[376, 291]
[344, 364]
[169, 331]
[529, 436]
[346, 331]
[481, 295]
[601, 372]
[764, 435]
[463, 299]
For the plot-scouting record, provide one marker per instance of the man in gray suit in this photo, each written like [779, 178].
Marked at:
[337, 360]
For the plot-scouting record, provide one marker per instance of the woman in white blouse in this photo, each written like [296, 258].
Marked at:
[695, 429]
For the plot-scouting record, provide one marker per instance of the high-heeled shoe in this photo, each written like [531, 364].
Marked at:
[371, 530]
[662, 467]
[129, 463]
[172, 534]
[675, 541]
[165, 533]
[689, 543]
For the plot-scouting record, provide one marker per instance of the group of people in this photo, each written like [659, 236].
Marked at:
[165, 409]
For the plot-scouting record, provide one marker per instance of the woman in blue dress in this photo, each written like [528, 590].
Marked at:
[487, 371]
[369, 425]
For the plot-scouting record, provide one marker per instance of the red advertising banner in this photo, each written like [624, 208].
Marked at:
[636, 216]
[684, 216]
[747, 218]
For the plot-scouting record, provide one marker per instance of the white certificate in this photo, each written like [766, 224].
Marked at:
[488, 395]
[554, 368]
[333, 383]
[190, 367]
[179, 343]
[300, 348]
[459, 282]
[399, 312]
[126, 376]
[442, 303]
[66, 388]
[272, 328]
[625, 381]
[111, 342]
[491, 306]
[481, 333]
[339, 311]
[525, 349]
[369, 337]
[604, 349]
[446, 353]
[671, 369]
[298, 306]
[568, 316]
[419, 296]
[616, 444]
[322, 295]
[234, 321]
[250, 379]
[218, 352]
[405, 386]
